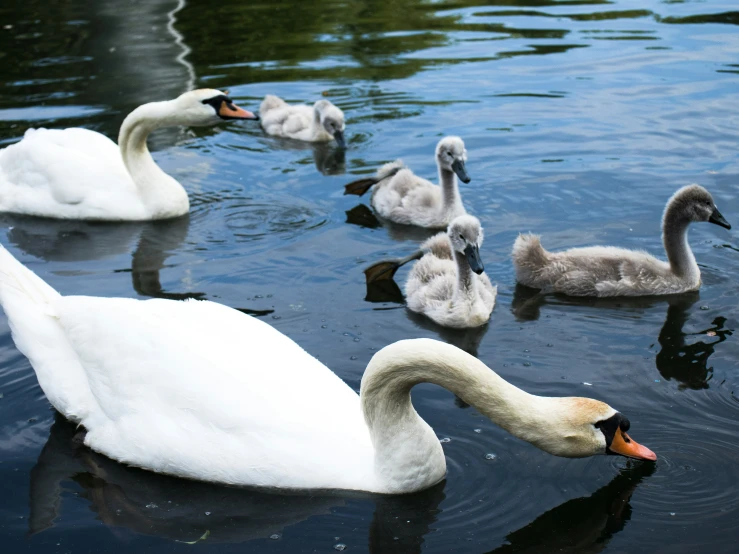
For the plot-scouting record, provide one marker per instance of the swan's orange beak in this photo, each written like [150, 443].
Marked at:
[624, 445]
[232, 111]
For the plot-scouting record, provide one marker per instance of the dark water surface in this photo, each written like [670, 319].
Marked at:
[580, 118]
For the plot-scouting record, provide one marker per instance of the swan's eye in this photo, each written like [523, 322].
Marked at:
[216, 101]
[461, 236]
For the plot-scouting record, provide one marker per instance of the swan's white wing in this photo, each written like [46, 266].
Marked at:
[199, 390]
[51, 172]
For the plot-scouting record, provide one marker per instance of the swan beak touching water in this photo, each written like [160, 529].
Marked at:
[461, 170]
[472, 253]
[226, 109]
[339, 138]
[718, 219]
[618, 442]
[625, 446]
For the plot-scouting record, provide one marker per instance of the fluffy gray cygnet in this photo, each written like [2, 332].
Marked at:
[611, 271]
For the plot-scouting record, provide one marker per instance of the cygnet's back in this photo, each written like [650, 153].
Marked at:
[610, 271]
[448, 283]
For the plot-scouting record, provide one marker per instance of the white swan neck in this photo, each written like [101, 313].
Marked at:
[160, 193]
[408, 455]
[675, 240]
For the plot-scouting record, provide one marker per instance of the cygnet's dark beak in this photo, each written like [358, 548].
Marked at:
[459, 168]
[472, 253]
[339, 138]
[718, 219]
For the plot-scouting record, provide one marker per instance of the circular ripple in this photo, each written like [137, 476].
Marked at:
[697, 473]
[253, 218]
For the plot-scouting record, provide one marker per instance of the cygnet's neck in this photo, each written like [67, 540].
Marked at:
[675, 239]
[466, 282]
[408, 455]
[451, 201]
[317, 129]
[162, 195]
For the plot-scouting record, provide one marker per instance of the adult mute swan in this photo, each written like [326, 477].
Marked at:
[80, 174]
[447, 283]
[198, 390]
[320, 122]
[403, 197]
[610, 271]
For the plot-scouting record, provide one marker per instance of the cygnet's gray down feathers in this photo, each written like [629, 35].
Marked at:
[610, 271]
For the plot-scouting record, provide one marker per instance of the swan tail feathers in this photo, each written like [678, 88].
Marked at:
[386, 269]
[529, 258]
[270, 102]
[361, 186]
[389, 170]
[21, 288]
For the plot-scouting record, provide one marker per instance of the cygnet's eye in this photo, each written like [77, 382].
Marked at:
[461, 236]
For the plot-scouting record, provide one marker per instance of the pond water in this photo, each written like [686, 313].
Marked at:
[580, 117]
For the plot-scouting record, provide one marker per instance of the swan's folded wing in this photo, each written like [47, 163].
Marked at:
[61, 166]
[200, 390]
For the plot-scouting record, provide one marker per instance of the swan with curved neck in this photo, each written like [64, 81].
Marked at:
[448, 283]
[199, 390]
[320, 122]
[80, 174]
[610, 271]
[400, 196]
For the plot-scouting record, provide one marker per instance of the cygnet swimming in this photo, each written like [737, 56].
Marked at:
[320, 122]
[611, 271]
[447, 283]
[403, 197]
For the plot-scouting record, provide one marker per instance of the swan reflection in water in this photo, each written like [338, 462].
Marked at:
[157, 505]
[581, 525]
[679, 358]
[152, 504]
[685, 362]
[59, 240]
[527, 302]
[328, 158]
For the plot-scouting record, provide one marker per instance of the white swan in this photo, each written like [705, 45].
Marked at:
[448, 283]
[198, 390]
[403, 197]
[610, 271]
[320, 122]
[80, 174]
